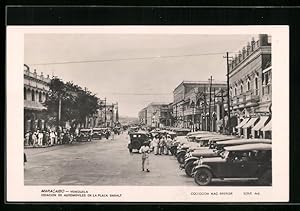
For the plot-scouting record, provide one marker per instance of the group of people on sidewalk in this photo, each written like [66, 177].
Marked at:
[39, 138]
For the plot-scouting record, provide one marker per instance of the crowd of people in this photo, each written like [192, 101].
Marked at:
[48, 137]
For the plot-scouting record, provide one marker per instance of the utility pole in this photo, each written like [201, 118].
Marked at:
[112, 114]
[204, 126]
[223, 112]
[209, 111]
[214, 110]
[59, 110]
[117, 113]
[228, 97]
[105, 111]
[183, 119]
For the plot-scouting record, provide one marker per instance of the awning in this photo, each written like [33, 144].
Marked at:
[242, 123]
[250, 123]
[268, 127]
[261, 123]
[33, 105]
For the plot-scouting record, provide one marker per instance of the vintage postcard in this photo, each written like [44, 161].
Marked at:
[147, 114]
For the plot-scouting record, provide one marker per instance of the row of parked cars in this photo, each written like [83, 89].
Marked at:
[87, 134]
[138, 137]
[208, 156]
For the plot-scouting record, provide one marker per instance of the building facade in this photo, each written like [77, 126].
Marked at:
[250, 87]
[106, 116]
[196, 105]
[36, 88]
[156, 115]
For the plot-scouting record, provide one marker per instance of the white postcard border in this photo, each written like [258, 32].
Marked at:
[279, 192]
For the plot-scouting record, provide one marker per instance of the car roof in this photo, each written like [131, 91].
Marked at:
[245, 141]
[205, 136]
[85, 129]
[198, 133]
[247, 147]
[164, 131]
[139, 132]
[223, 138]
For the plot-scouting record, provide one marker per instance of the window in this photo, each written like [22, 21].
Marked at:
[25, 96]
[256, 86]
[235, 91]
[248, 85]
[241, 88]
[32, 95]
[40, 97]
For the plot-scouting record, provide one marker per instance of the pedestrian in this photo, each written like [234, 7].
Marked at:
[25, 158]
[155, 143]
[168, 145]
[27, 135]
[40, 138]
[45, 138]
[30, 138]
[162, 145]
[112, 135]
[34, 139]
[52, 138]
[107, 134]
[145, 150]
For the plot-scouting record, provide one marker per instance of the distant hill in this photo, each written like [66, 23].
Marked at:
[128, 120]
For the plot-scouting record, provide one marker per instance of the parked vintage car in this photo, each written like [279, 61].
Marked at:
[195, 141]
[248, 161]
[85, 134]
[98, 133]
[137, 139]
[214, 150]
[180, 131]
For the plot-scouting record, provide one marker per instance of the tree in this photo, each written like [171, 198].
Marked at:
[76, 103]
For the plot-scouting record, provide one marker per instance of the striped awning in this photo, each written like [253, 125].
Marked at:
[242, 123]
[268, 127]
[250, 123]
[261, 123]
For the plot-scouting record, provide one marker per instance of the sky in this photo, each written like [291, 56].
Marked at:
[131, 69]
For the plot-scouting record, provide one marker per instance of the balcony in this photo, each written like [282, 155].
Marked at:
[241, 101]
[235, 102]
[252, 98]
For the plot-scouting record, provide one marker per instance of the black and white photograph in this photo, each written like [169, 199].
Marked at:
[157, 110]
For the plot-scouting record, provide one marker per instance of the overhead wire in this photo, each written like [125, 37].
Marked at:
[128, 59]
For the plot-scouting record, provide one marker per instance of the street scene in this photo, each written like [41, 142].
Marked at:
[147, 110]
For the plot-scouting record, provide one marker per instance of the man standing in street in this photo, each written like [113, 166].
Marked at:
[145, 150]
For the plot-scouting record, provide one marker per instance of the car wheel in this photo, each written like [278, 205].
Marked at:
[181, 157]
[266, 178]
[203, 176]
[189, 168]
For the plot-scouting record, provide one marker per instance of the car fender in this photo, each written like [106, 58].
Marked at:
[181, 151]
[203, 167]
[191, 159]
